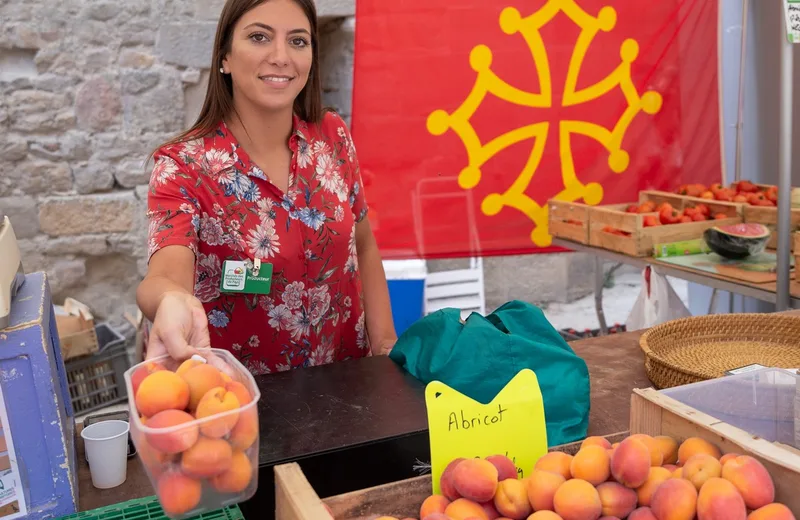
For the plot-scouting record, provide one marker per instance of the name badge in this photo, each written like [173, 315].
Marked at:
[238, 278]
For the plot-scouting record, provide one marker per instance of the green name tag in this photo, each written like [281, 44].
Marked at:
[237, 278]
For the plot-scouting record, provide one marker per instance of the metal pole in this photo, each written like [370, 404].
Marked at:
[782, 302]
[740, 109]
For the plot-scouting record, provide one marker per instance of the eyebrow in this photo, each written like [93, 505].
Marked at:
[268, 28]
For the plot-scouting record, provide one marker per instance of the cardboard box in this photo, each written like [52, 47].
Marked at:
[75, 324]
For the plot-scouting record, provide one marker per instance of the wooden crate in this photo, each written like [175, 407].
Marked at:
[768, 216]
[641, 239]
[295, 499]
[568, 220]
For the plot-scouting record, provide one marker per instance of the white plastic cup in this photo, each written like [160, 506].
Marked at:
[106, 445]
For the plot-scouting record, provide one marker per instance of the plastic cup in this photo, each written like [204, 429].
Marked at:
[106, 445]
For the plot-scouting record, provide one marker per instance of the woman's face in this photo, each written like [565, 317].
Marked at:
[270, 56]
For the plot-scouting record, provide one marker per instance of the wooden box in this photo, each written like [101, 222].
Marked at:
[569, 220]
[639, 239]
[652, 413]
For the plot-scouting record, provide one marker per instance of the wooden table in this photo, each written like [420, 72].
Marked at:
[372, 412]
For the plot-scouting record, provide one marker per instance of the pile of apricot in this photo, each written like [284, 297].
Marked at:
[640, 478]
[206, 437]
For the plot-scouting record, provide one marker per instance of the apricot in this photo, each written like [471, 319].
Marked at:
[591, 464]
[596, 440]
[644, 493]
[436, 516]
[668, 448]
[177, 493]
[630, 464]
[245, 432]
[695, 445]
[446, 480]
[670, 467]
[475, 479]
[751, 479]
[609, 518]
[557, 462]
[201, 379]
[208, 457]
[218, 401]
[642, 513]
[188, 365]
[719, 500]
[674, 499]
[505, 467]
[490, 510]
[161, 390]
[617, 500]
[728, 456]
[701, 467]
[143, 371]
[772, 512]
[678, 473]
[577, 499]
[656, 455]
[544, 515]
[433, 504]
[511, 499]
[181, 439]
[541, 487]
[237, 477]
[465, 509]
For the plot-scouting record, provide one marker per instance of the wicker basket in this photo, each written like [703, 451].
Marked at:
[699, 348]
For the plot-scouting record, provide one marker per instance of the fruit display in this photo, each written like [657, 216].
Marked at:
[743, 192]
[639, 478]
[665, 214]
[197, 431]
[737, 240]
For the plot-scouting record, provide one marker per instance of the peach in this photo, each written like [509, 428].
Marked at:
[674, 499]
[475, 479]
[544, 515]
[237, 477]
[490, 510]
[751, 479]
[201, 379]
[695, 445]
[656, 455]
[772, 512]
[541, 487]
[701, 467]
[591, 464]
[435, 516]
[642, 513]
[208, 457]
[609, 518]
[557, 462]
[719, 500]
[143, 371]
[644, 493]
[176, 441]
[161, 390]
[188, 365]
[465, 509]
[617, 500]
[433, 504]
[577, 499]
[446, 480]
[217, 401]
[505, 467]
[728, 456]
[511, 499]
[177, 493]
[596, 440]
[630, 464]
[668, 448]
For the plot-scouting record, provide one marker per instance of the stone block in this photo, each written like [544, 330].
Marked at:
[87, 214]
[138, 81]
[208, 9]
[102, 11]
[17, 63]
[38, 111]
[336, 8]
[159, 109]
[93, 177]
[66, 274]
[85, 245]
[98, 104]
[70, 146]
[23, 215]
[13, 148]
[135, 59]
[187, 44]
[132, 173]
[35, 178]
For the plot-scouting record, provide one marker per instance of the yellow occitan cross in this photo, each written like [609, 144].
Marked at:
[487, 82]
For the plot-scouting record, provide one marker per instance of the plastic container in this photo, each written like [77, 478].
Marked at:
[763, 402]
[106, 445]
[406, 281]
[202, 464]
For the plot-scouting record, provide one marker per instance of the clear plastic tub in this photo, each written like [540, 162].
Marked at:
[208, 460]
[763, 402]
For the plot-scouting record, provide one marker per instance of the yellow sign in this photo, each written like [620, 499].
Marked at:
[512, 424]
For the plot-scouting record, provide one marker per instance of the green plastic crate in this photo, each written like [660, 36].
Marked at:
[149, 509]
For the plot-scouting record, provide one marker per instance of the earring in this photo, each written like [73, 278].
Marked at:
[221, 70]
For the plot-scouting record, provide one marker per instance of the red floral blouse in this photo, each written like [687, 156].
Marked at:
[207, 195]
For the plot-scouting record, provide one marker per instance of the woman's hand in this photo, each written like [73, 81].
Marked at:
[180, 327]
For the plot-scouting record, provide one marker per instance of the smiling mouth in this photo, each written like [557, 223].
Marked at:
[274, 79]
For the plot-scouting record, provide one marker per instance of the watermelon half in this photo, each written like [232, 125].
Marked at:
[737, 240]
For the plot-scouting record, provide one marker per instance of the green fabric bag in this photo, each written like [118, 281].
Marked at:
[479, 356]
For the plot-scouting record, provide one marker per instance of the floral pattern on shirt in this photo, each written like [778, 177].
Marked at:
[206, 194]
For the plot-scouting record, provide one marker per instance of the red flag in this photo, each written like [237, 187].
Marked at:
[468, 116]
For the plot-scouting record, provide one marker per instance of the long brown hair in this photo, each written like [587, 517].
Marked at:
[218, 103]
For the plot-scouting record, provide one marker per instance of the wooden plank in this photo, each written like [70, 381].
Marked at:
[568, 220]
[295, 499]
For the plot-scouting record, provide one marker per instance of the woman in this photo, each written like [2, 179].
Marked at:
[259, 238]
